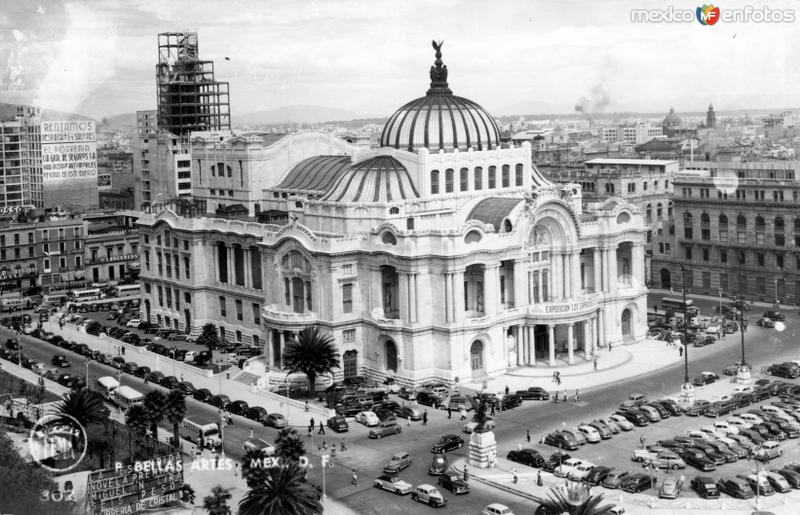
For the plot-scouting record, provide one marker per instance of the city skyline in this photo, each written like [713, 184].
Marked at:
[543, 58]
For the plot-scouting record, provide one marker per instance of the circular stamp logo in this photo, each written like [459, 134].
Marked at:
[57, 442]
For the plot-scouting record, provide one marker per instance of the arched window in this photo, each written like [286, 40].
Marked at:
[723, 221]
[388, 238]
[723, 228]
[626, 322]
[394, 210]
[391, 355]
[644, 186]
[655, 185]
[473, 237]
[778, 224]
[659, 210]
[434, 182]
[506, 176]
[687, 226]
[669, 210]
[295, 260]
[705, 227]
[666, 184]
[705, 219]
[448, 180]
[492, 177]
[476, 355]
[759, 223]
[478, 178]
[780, 238]
[649, 212]
[464, 179]
[741, 222]
[518, 174]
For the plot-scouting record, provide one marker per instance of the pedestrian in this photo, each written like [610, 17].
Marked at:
[61, 324]
[463, 414]
[507, 390]
[310, 429]
[609, 346]
[449, 412]
[230, 419]
[642, 440]
[680, 351]
[577, 395]
[425, 418]
[594, 362]
[321, 428]
[123, 351]
[354, 481]
[181, 378]
[514, 474]
[466, 474]
[252, 433]
[491, 410]
[554, 376]
[528, 435]
[565, 395]
[306, 407]
[344, 446]
[539, 478]
[558, 379]
[145, 379]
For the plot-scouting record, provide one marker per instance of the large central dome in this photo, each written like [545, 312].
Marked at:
[441, 120]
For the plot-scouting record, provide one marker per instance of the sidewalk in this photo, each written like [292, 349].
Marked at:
[621, 362]
[295, 416]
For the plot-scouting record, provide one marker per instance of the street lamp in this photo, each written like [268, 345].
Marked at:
[743, 374]
[687, 393]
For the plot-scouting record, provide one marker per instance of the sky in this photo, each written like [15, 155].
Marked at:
[98, 58]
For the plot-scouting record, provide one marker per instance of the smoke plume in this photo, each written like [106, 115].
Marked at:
[596, 102]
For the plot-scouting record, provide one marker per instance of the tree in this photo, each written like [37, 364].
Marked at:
[83, 405]
[155, 403]
[254, 476]
[217, 502]
[24, 483]
[209, 337]
[187, 493]
[175, 410]
[284, 492]
[137, 419]
[289, 445]
[574, 499]
[312, 353]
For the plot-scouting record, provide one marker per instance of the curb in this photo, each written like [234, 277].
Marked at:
[592, 372]
[505, 488]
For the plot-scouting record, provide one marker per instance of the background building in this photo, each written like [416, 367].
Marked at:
[21, 160]
[724, 210]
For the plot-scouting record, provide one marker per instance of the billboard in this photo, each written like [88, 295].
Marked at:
[69, 163]
[104, 181]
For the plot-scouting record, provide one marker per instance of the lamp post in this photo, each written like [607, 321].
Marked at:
[743, 374]
[687, 390]
[88, 386]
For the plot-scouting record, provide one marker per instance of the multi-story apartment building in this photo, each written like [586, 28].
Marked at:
[19, 261]
[635, 134]
[441, 254]
[60, 244]
[21, 180]
[112, 248]
[736, 230]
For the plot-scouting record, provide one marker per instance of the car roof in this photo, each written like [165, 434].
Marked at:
[399, 455]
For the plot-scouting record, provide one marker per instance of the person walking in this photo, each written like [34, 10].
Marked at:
[565, 395]
[230, 419]
[514, 475]
[311, 423]
[554, 376]
[642, 440]
[539, 478]
[252, 433]
[680, 351]
[354, 481]
[425, 418]
[463, 414]
[528, 435]
[344, 446]
[321, 428]
[594, 362]
[507, 390]
[449, 412]
[310, 429]
[491, 409]
[306, 407]
[558, 379]
[466, 474]
[577, 395]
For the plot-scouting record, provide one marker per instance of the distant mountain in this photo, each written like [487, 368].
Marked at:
[9, 111]
[124, 120]
[293, 114]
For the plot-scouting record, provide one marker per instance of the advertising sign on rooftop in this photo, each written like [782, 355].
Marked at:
[69, 150]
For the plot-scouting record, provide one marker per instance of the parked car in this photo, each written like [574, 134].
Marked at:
[256, 413]
[670, 488]
[768, 451]
[697, 459]
[705, 378]
[634, 416]
[202, 394]
[409, 413]
[758, 483]
[275, 420]
[235, 407]
[338, 423]
[705, 487]
[591, 434]
[567, 466]
[448, 443]
[779, 483]
[535, 393]
[774, 315]
[385, 429]
[598, 475]
[398, 462]
[130, 368]
[393, 484]
[791, 476]
[615, 478]
[602, 429]
[454, 483]
[639, 483]
[561, 440]
[555, 459]
[765, 323]
[60, 360]
[666, 460]
[529, 457]
[698, 407]
[156, 377]
[621, 421]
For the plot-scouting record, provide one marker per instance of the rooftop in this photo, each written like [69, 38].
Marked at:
[642, 162]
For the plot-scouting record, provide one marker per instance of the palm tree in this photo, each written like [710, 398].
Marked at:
[155, 403]
[289, 445]
[284, 492]
[217, 502]
[252, 472]
[83, 405]
[312, 353]
[175, 410]
[572, 498]
[137, 419]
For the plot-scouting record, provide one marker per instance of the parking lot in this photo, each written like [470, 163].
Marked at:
[618, 452]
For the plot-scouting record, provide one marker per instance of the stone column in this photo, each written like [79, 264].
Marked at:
[576, 273]
[523, 335]
[570, 343]
[593, 322]
[598, 274]
[248, 278]
[402, 296]
[564, 275]
[448, 296]
[601, 328]
[606, 272]
[458, 297]
[412, 294]
[531, 344]
[551, 342]
[491, 289]
[612, 264]
[587, 339]
[637, 267]
[553, 276]
[268, 347]
[282, 336]
[521, 283]
[231, 268]
[520, 348]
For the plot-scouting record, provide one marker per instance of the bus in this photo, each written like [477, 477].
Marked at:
[673, 304]
[14, 303]
[55, 299]
[107, 386]
[84, 295]
[125, 397]
[127, 290]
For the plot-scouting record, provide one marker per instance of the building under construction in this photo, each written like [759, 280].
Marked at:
[189, 97]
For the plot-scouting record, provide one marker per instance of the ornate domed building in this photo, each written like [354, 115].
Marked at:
[672, 122]
[443, 254]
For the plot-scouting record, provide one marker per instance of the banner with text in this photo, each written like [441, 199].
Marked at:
[69, 150]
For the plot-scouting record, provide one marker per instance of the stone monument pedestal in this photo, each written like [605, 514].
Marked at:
[687, 394]
[482, 449]
[743, 376]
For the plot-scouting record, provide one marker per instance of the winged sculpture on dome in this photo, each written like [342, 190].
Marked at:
[439, 70]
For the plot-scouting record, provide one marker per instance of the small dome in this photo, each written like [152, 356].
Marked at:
[379, 179]
[672, 120]
[441, 120]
